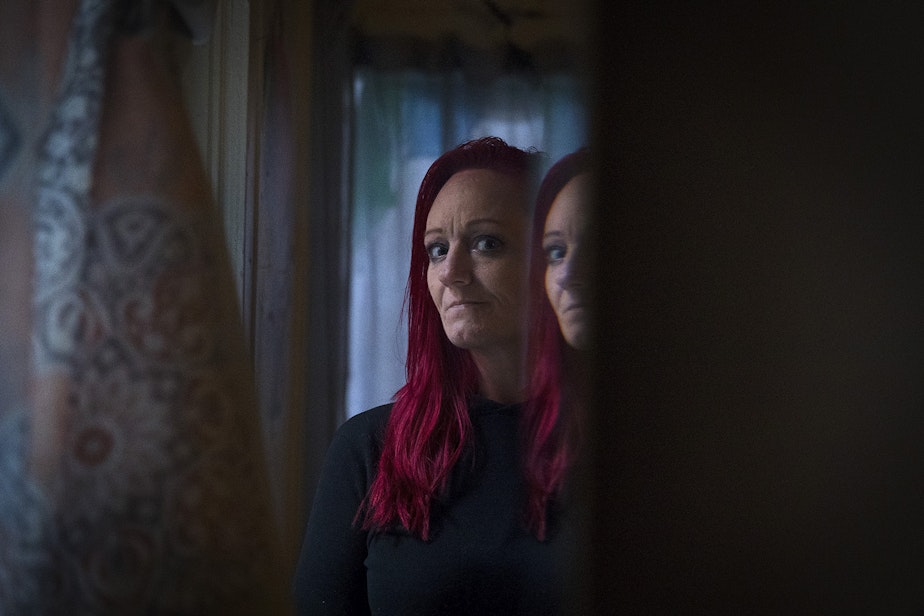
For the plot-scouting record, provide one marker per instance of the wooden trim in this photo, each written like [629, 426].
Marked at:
[215, 83]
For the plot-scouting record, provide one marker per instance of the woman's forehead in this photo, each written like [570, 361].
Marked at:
[480, 195]
[480, 187]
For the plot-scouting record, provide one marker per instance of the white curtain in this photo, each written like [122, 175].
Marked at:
[403, 120]
[132, 478]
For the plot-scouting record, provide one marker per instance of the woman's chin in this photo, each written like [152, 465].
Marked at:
[577, 337]
[464, 340]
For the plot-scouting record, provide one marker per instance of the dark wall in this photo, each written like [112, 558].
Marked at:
[760, 373]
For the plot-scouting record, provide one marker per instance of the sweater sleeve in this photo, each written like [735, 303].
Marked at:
[331, 574]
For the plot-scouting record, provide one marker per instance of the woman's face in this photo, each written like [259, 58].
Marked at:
[477, 240]
[567, 278]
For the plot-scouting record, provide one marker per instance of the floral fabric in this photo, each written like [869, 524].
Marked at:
[132, 478]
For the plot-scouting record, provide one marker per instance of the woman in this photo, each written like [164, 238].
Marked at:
[561, 320]
[563, 205]
[430, 505]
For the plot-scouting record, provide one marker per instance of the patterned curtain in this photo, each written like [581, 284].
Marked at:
[132, 478]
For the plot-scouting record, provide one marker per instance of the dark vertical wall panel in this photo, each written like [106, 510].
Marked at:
[760, 374]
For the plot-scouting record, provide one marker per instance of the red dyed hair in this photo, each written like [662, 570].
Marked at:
[429, 426]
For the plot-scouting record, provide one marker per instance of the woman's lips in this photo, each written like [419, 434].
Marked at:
[463, 304]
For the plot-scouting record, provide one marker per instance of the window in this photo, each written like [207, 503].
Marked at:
[403, 119]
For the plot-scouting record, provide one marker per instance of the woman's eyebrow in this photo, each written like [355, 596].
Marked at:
[474, 223]
[481, 221]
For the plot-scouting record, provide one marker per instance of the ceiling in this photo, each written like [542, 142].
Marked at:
[535, 26]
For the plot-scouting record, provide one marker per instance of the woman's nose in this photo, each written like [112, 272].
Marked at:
[456, 267]
[574, 270]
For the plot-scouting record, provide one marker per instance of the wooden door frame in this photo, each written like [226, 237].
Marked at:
[249, 95]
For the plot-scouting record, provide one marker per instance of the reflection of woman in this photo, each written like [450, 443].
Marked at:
[561, 319]
[563, 205]
[429, 505]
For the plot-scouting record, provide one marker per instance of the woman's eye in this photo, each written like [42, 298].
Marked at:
[436, 250]
[554, 253]
[486, 243]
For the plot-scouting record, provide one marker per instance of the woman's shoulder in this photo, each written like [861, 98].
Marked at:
[357, 443]
[365, 424]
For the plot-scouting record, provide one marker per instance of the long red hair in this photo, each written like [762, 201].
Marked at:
[429, 427]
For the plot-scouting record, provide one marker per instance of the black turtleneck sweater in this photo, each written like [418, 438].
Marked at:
[479, 560]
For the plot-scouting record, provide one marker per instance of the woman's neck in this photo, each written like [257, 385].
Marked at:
[501, 376]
